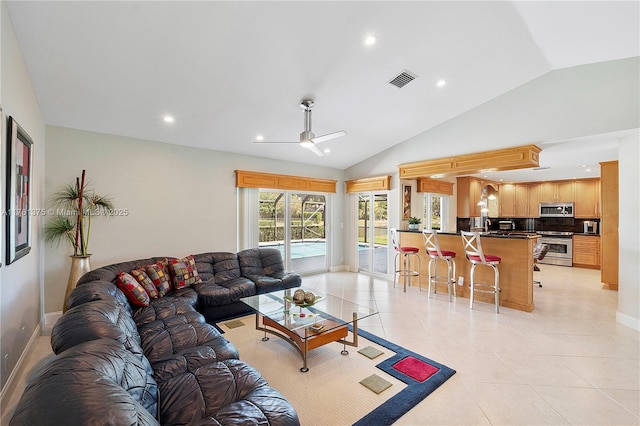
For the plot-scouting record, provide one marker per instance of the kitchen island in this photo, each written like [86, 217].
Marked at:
[516, 267]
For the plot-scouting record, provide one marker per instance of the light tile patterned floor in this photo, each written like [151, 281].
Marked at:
[568, 362]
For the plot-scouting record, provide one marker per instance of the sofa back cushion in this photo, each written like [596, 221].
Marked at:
[100, 319]
[97, 290]
[217, 267]
[263, 261]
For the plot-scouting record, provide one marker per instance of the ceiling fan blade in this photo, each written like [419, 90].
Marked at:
[328, 136]
[315, 150]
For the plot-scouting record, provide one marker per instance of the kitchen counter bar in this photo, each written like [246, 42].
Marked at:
[516, 267]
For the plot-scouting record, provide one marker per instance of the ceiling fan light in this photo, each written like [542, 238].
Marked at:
[306, 144]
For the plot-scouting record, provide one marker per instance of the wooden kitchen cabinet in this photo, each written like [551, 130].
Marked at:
[587, 198]
[518, 200]
[469, 191]
[586, 251]
[507, 200]
[557, 191]
[533, 194]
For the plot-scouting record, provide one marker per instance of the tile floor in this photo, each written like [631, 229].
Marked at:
[568, 362]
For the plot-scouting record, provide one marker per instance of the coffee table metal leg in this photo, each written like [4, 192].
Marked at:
[305, 351]
[265, 338]
[354, 341]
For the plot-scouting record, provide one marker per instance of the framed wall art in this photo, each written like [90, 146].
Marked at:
[19, 155]
[406, 202]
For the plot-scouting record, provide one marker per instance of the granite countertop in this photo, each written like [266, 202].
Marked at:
[521, 235]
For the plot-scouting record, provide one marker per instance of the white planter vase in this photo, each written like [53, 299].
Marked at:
[80, 265]
[414, 226]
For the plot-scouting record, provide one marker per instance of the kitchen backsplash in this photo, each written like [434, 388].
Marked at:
[565, 224]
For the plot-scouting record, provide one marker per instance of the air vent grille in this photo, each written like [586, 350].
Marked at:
[402, 79]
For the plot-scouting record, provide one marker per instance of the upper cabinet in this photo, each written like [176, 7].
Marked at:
[469, 192]
[587, 199]
[559, 192]
[507, 200]
[522, 200]
[519, 200]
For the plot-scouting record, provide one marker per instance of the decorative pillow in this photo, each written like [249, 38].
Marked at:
[159, 274]
[142, 277]
[184, 272]
[132, 289]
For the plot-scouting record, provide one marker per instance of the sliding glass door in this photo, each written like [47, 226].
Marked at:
[373, 230]
[295, 224]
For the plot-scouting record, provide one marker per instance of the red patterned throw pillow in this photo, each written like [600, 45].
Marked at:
[142, 277]
[132, 289]
[184, 272]
[159, 274]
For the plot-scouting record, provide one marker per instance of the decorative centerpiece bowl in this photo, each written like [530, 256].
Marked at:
[303, 299]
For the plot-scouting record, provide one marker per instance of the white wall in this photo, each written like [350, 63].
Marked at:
[563, 104]
[629, 233]
[179, 200]
[20, 282]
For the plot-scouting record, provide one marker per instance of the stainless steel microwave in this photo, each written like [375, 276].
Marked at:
[556, 209]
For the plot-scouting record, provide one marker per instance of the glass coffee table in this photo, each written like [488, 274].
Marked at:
[308, 326]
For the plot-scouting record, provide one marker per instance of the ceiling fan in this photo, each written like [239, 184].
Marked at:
[307, 138]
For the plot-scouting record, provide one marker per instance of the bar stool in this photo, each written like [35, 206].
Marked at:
[475, 255]
[539, 252]
[404, 269]
[432, 247]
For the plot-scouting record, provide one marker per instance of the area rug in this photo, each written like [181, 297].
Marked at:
[331, 393]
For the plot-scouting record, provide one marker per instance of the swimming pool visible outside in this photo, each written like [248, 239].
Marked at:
[305, 248]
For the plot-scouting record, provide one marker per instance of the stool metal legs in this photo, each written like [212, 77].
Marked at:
[405, 270]
[494, 289]
[451, 276]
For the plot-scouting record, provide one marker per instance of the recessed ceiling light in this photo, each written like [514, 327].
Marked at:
[259, 138]
[326, 151]
[441, 83]
[370, 40]
[169, 119]
[588, 170]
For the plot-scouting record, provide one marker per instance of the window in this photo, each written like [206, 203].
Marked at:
[436, 209]
[372, 232]
[295, 223]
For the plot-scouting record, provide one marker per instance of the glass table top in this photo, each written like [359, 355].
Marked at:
[327, 311]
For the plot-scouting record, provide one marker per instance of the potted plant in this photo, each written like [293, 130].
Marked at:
[76, 205]
[414, 223]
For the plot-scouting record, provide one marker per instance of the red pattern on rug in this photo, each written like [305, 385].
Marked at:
[416, 369]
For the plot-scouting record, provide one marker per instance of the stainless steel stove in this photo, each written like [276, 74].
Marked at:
[560, 247]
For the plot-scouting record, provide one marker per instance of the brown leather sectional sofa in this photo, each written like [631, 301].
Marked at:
[158, 364]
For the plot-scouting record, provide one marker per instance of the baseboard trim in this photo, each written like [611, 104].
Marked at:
[49, 320]
[628, 321]
[5, 392]
[339, 268]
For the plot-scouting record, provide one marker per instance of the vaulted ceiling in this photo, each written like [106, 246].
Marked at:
[229, 71]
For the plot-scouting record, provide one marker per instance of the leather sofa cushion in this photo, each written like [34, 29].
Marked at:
[100, 373]
[226, 293]
[97, 290]
[217, 267]
[228, 392]
[264, 266]
[99, 319]
[171, 336]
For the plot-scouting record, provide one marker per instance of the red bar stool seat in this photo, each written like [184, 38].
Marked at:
[403, 269]
[432, 247]
[473, 250]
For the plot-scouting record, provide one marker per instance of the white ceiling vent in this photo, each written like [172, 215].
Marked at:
[402, 79]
